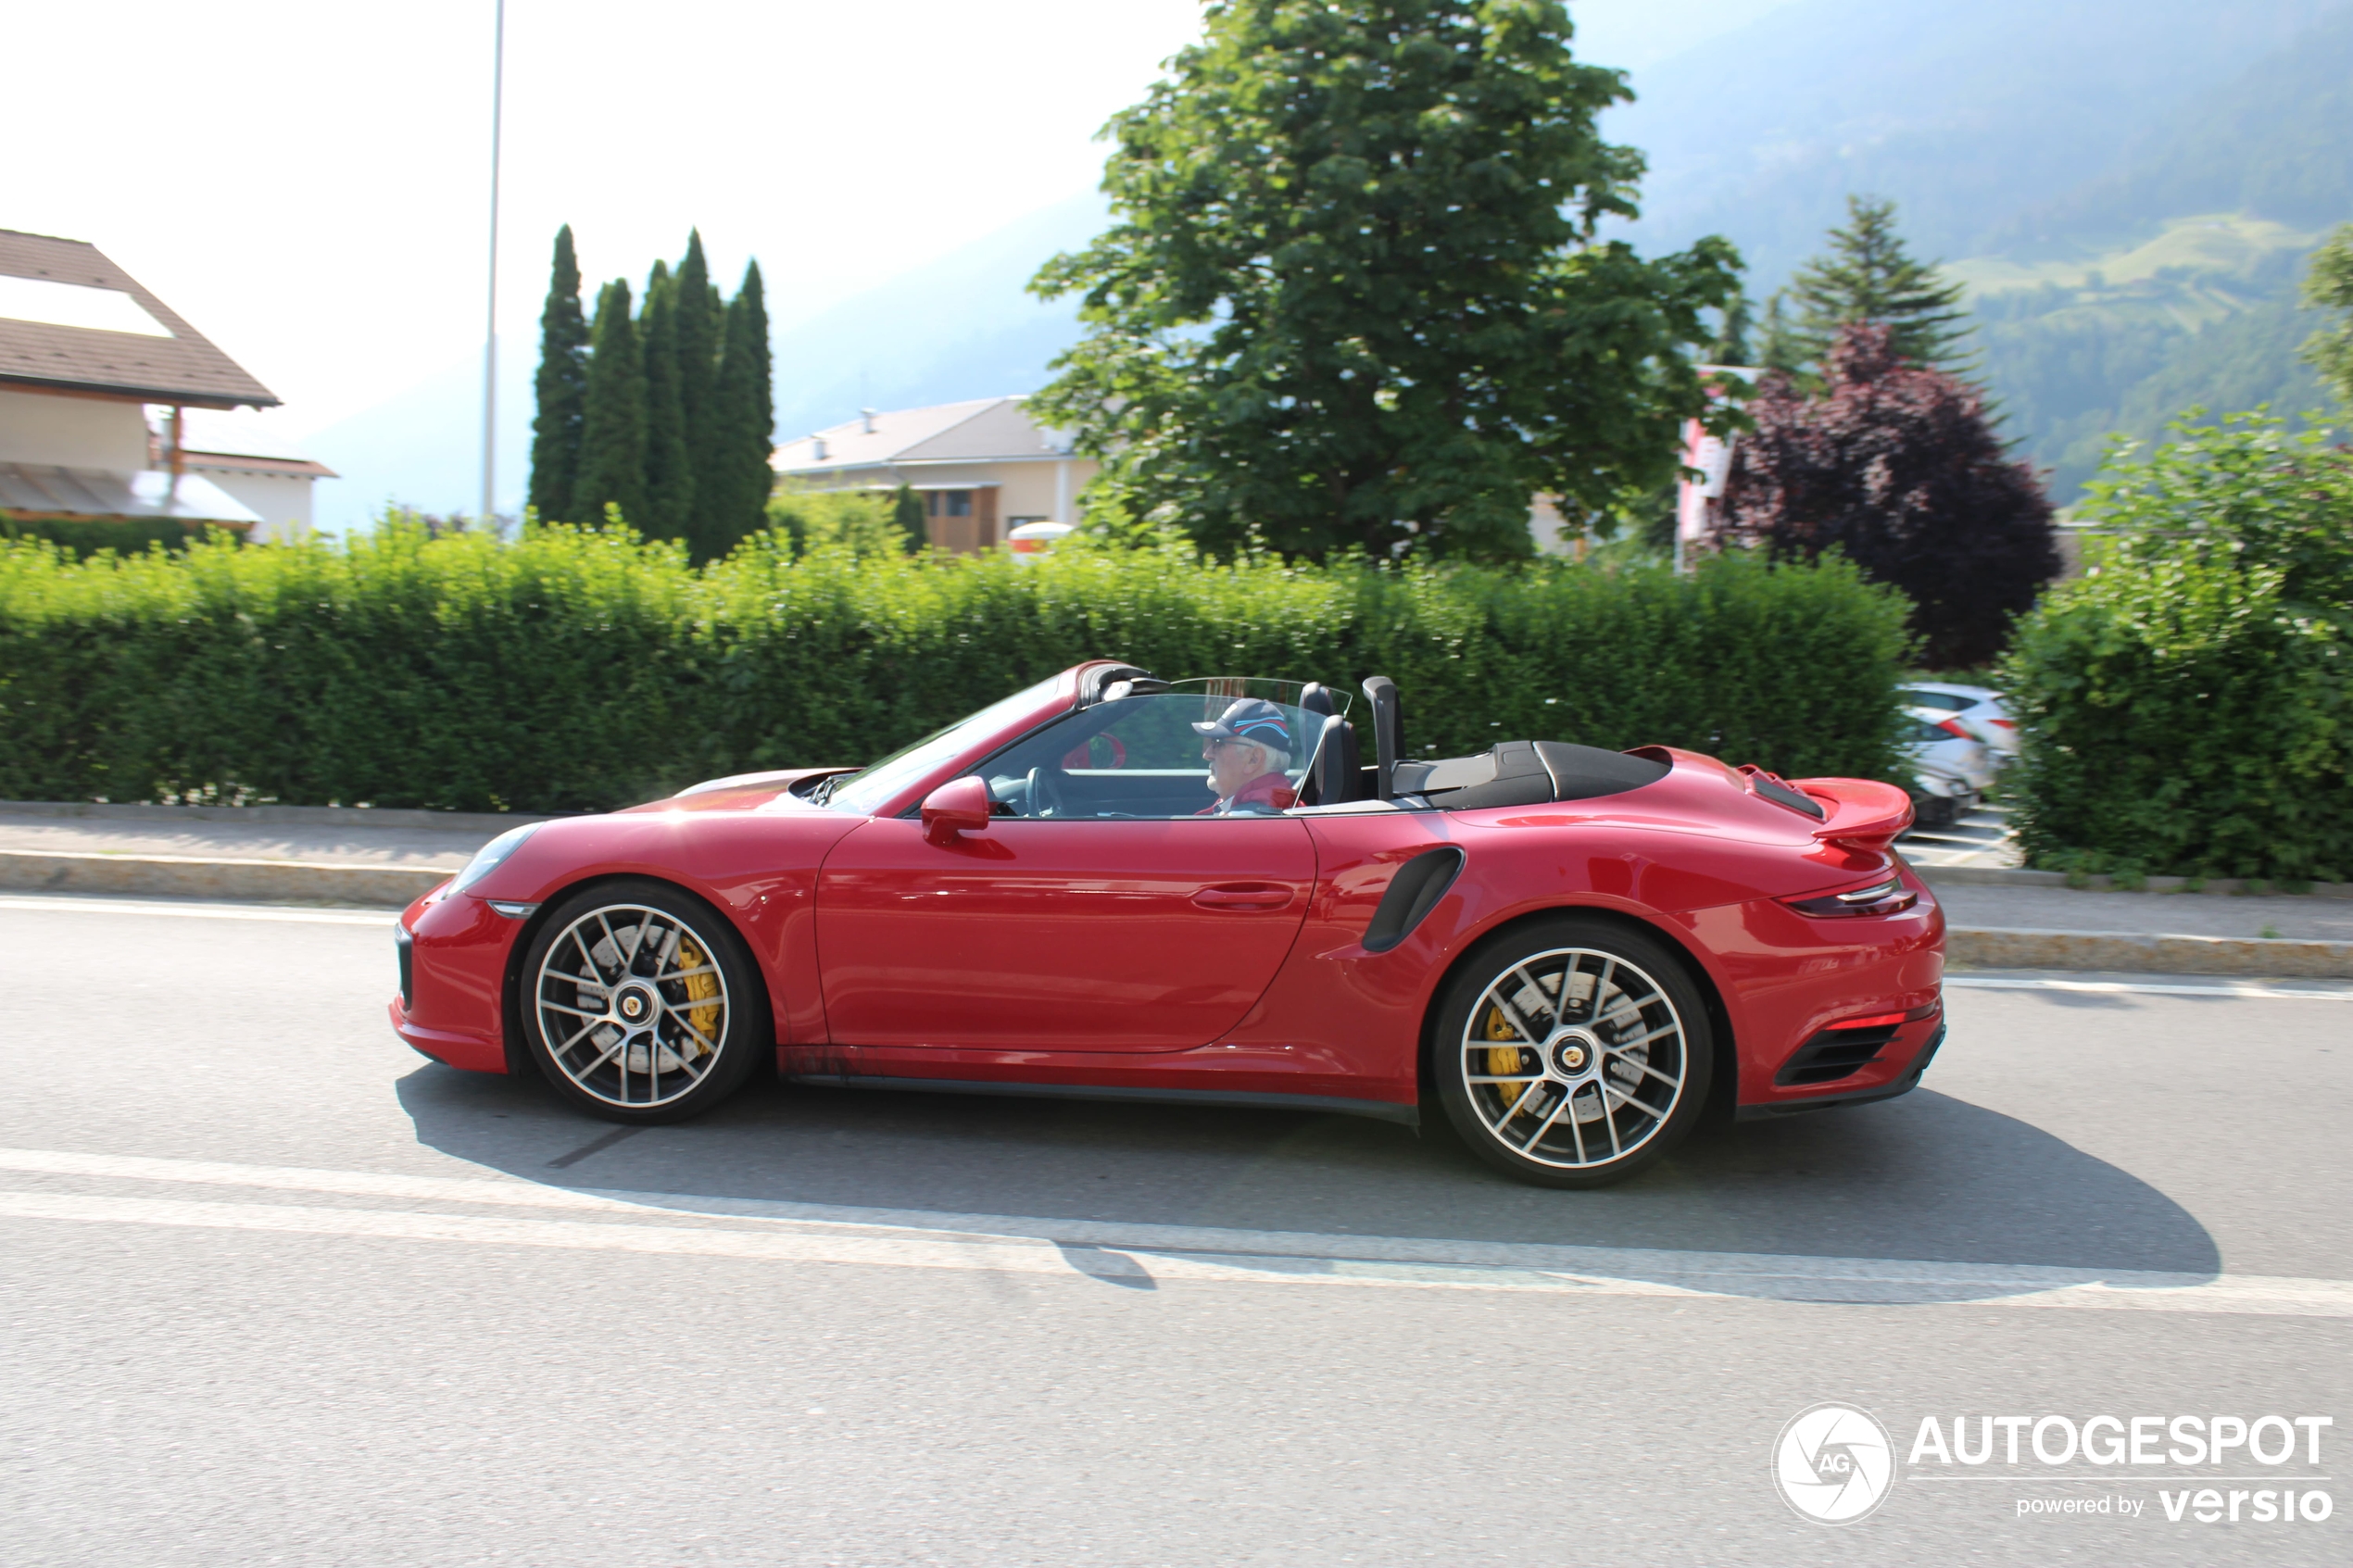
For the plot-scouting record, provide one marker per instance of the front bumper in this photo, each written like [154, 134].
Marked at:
[454, 1006]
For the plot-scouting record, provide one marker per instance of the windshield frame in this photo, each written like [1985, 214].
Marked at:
[886, 787]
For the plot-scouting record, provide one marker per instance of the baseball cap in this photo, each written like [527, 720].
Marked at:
[1250, 719]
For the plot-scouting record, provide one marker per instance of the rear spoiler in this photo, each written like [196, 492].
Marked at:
[1860, 813]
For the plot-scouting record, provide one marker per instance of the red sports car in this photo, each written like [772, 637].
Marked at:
[1109, 885]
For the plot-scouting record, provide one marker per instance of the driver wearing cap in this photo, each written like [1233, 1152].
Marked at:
[1247, 748]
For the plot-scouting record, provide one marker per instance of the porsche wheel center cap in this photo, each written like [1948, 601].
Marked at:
[633, 1005]
[1573, 1055]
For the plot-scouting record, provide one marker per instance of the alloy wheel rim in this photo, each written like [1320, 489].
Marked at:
[631, 1005]
[1573, 1058]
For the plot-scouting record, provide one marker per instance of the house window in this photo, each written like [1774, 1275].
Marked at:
[955, 503]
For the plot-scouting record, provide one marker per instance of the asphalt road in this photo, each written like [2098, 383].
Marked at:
[272, 1289]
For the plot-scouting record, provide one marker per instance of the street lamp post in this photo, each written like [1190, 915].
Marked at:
[490, 331]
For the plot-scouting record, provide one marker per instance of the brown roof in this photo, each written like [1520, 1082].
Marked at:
[182, 368]
[238, 462]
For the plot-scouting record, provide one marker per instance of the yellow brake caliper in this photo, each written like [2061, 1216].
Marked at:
[1503, 1059]
[705, 1019]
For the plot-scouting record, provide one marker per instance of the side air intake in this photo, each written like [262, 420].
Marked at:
[1419, 883]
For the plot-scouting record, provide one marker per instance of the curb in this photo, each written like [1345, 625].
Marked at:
[301, 882]
[281, 815]
[187, 876]
[2148, 953]
[2007, 876]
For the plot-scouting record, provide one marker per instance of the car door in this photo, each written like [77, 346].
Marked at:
[1058, 936]
[1099, 913]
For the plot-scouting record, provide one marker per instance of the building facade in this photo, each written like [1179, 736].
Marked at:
[84, 352]
[982, 468]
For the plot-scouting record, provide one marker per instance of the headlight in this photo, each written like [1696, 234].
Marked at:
[492, 855]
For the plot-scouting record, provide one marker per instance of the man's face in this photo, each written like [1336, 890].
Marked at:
[1232, 763]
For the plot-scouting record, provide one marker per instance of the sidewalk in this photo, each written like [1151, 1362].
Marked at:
[324, 855]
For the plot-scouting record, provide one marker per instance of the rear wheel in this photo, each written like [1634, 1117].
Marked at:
[1572, 1052]
[639, 1004]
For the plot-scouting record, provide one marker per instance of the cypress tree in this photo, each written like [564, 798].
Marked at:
[907, 511]
[670, 479]
[613, 442]
[1866, 277]
[745, 418]
[562, 387]
[701, 314]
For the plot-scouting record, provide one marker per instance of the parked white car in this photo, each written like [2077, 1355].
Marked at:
[1978, 710]
[1951, 767]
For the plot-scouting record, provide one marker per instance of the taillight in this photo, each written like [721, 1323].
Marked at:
[2010, 724]
[1888, 898]
[1953, 727]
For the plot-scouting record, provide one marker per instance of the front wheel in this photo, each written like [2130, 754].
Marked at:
[639, 1004]
[1572, 1052]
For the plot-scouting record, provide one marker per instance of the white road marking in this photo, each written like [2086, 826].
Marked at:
[99, 904]
[2253, 989]
[828, 1234]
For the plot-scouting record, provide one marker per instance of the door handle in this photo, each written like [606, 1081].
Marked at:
[1244, 898]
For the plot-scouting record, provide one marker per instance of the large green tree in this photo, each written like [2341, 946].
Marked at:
[1867, 278]
[1353, 293]
[612, 445]
[2329, 285]
[670, 479]
[562, 386]
[746, 421]
[700, 316]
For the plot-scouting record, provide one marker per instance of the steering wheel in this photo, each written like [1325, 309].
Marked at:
[1045, 792]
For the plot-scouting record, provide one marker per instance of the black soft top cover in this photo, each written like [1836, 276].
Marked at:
[1526, 772]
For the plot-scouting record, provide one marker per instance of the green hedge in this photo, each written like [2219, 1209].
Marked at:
[582, 668]
[2187, 707]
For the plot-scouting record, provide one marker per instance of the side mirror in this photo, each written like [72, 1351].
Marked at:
[958, 806]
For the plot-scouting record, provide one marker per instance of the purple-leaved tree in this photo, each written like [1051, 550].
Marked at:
[1897, 465]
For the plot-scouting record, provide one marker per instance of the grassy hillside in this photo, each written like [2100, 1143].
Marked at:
[2110, 310]
[2204, 313]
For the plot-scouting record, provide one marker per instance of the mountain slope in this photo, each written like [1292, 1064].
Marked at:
[1967, 116]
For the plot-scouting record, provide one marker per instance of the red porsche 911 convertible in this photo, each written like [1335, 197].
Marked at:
[1110, 886]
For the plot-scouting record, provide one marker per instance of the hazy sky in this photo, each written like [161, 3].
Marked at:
[307, 182]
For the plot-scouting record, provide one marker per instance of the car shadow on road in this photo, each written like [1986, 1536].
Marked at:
[1928, 1177]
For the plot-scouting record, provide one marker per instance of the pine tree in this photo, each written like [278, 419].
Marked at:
[907, 512]
[1779, 349]
[1731, 347]
[562, 387]
[700, 316]
[670, 479]
[1868, 277]
[746, 420]
[613, 442]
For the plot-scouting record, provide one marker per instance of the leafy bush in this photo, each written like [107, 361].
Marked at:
[581, 669]
[2187, 708]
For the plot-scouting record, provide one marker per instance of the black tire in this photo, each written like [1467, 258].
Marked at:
[1597, 1089]
[663, 953]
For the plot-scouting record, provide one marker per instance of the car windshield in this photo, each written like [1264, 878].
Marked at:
[870, 788]
[1943, 702]
[1223, 747]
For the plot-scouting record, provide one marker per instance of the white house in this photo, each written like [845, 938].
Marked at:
[982, 468]
[85, 350]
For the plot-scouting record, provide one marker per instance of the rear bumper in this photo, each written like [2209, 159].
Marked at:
[1904, 1083]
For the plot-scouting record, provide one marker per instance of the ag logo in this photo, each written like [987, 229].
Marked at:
[1833, 1464]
